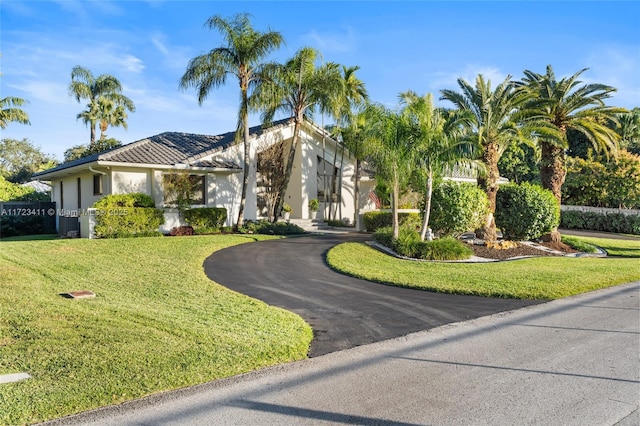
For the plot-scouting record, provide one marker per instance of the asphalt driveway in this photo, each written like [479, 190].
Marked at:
[343, 311]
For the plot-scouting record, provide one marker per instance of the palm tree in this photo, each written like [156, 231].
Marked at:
[491, 126]
[391, 137]
[242, 56]
[629, 130]
[9, 111]
[557, 106]
[296, 89]
[110, 115]
[439, 145]
[85, 86]
[344, 105]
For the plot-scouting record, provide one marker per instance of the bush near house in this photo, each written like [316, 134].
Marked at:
[526, 211]
[612, 222]
[376, 219]
[127, 215]
[206, 220]
[457, 208]
[270, 228]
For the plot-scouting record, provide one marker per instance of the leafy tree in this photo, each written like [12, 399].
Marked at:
[519, 163]
[391, 137]
[243, 57]
[439, 146]
[492, 127]
[296, 88]
[557, 106]
[100, 145]
[19, 159]
[98, 92]
[111, 115]
[10, 111]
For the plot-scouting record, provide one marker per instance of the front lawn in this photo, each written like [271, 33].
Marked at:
[157, 323]
[535, 278]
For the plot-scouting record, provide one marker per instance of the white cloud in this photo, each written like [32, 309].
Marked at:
[616, 66]
[332, 42]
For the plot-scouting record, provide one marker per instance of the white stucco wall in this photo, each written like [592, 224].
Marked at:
[124, 181]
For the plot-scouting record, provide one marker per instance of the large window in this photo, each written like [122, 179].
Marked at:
[179, 186]
[328, 181]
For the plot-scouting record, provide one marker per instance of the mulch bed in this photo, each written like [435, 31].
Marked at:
[520, 250]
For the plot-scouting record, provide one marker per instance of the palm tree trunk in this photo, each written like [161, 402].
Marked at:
[427, 208]
[92, 141]
[356, 196]
[289, 165]
[394, 205]
[489, 184]
[552, 174]
[339, 200]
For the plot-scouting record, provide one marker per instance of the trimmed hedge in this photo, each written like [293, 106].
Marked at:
[126, 216]
[270, 228]
[591, 221]
[376, 219]
[526, 211]
[206, 219]
[457, 208]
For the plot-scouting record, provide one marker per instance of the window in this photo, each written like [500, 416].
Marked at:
[178, 185]
[97, 184]
[79, 193]
[327, 181]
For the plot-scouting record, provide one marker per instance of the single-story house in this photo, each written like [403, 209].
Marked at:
[215, 165]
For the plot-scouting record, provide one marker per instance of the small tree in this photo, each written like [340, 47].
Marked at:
[271, 176]
[458, 207]
[178, 188]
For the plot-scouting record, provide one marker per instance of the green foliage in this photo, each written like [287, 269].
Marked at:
[270, 228]
[11, 226]
[526, 211]
[614, 184]
[11, 191]
[206, 220]
[19, 159]
[286, 208]
[376, 219]
[592, 221]
[457, 208]
[127, 215]
[314, 205]
[100, 145]
[578, 244]
[408, 244]
[518, 163]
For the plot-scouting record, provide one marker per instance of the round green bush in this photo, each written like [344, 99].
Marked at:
[457, 208]
[526, 211]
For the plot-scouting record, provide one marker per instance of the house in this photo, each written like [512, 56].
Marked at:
[214, 164]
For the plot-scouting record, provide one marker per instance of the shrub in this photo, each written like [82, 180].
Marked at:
[592, 221]
[408, 243]
[384, 236]
[377, 219]
[11, 226]
[270, 228]
[526, 211]
[457, 208]
[181, 230]
[206, 219]
[445, 249]
[127, 215]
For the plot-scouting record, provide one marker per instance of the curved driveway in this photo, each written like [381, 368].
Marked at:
[343, 311]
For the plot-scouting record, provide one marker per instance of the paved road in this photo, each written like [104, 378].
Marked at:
[568, 362]
[344, 312]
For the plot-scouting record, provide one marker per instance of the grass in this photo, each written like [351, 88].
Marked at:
[156, 324]
[534, 278]
[578, 244]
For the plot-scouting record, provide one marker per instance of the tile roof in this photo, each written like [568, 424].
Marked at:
[169, 148]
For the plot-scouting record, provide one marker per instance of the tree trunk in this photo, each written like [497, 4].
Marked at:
[356, 197]
[427, 209]
[92, 141]
[339, 195]
[552, 174]
[394, 205]
[289, 168]
[489, 184]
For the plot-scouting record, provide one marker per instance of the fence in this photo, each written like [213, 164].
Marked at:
[27, 218]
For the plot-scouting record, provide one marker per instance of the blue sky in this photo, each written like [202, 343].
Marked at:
[423, 46]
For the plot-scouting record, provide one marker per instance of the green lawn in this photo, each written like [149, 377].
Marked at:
[535, 278]
[156, 324]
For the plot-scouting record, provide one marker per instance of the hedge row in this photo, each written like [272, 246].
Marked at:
[375, 220]
[207, 219]
[611, 222]
[127, 215]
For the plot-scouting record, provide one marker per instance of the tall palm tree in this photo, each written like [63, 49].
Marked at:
[491, 126]
[391, 136]
[297, 87]
[439, 146]
[242, 56]
[9, 111]
[85, 86]
[557, 106]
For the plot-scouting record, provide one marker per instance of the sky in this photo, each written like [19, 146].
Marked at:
[424, 46]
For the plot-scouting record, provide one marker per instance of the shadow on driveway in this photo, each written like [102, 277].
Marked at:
[343, 311]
